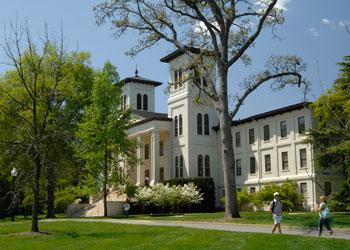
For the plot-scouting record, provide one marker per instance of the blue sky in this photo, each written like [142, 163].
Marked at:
[314, 30]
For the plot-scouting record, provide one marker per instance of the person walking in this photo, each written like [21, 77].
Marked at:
[126, 208]
[325, 217]
[276, 208]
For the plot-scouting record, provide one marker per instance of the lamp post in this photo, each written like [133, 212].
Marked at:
[14, 175]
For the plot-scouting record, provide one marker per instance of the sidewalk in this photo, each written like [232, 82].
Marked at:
[251, 228]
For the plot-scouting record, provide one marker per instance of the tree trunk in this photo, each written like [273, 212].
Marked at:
[36, 189]
[227, 157]
[105, 174]
[50, 188]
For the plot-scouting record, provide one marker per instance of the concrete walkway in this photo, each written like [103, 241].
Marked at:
[251, 228]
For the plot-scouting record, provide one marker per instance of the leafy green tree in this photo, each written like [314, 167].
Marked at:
[331, 138]
[32, 99]
[104, 144]
[224, 30]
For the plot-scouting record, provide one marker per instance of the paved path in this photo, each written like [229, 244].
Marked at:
[251, 228]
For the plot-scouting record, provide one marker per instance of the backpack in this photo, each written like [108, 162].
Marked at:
[326, 213]
[272, 207]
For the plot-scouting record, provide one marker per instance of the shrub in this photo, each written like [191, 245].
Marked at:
[290, 197]
[163, 196]
[206, 187]
[340, 201]
[243, 198]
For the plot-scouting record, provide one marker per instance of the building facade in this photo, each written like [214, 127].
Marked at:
[184, 143]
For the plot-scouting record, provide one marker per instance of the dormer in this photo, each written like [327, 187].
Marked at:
[139, 93]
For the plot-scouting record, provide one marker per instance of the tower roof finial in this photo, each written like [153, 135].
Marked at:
[136, 71]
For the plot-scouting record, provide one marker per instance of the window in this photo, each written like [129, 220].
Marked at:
[147, 151]
[327, 188]
[238, 139]
[303, 160]
[199, 124]
[161, 148]
[161, 174]
[176, 124]
[252, 165]
[252, 190]
[301, 125]
[283, 129]
[145, 102]
[180, 78]
[266, 132]
[303, 188]
[284, 161]
[124, 102]
[205, 83]
[238, 167]
[176, 167]
[176, 79]
[206, 124]
[180, 124]
[200, 165]
[207, 166]
[251, 136]
[267, 163]
[139, 101]
[181, 166]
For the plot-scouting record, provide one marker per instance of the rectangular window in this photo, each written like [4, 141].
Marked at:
[238, 167]
[327, 188]
[252, 190]
[283, 129]
[161, 149]
[146, 151]
[301, 125]
[284, 161]
[161, 174]
[238, 139]
[303, 160]
[176, 167]
[303, 188]
[181, 166]
[267, 163]
[147, 173]
[251, 136]
[252, 165]
[266, 132]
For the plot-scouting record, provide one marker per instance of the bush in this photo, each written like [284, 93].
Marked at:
[243, 198]
[290, 197]
[166, 196]
[340, 201]
[206, 187]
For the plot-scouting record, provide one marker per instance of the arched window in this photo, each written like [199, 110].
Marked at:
[200, 165]
[124, 102]
[176, 167]
[180, 78]
[180, 124]
[139, 101]
[176, 79]
[199, 124]
[145, 102]
[206, 124]
[181, 166]
[176, 126]
[207, 166]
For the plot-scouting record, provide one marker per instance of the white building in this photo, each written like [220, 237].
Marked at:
[184, 142]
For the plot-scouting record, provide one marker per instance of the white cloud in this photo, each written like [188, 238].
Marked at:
[343, 24]
[281, 4]
[326, 21]
[314, 31]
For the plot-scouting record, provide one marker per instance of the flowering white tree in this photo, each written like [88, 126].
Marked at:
[162, 195]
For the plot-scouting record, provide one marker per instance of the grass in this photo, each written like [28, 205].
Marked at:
[307, 219]
[88, 235]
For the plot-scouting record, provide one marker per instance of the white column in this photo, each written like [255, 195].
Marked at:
[154, 157]
[140, 156]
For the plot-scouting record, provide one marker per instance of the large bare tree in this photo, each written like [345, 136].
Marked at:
[226, 29]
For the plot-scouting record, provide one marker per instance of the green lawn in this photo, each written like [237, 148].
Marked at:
[89, 235]
[307, 219]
